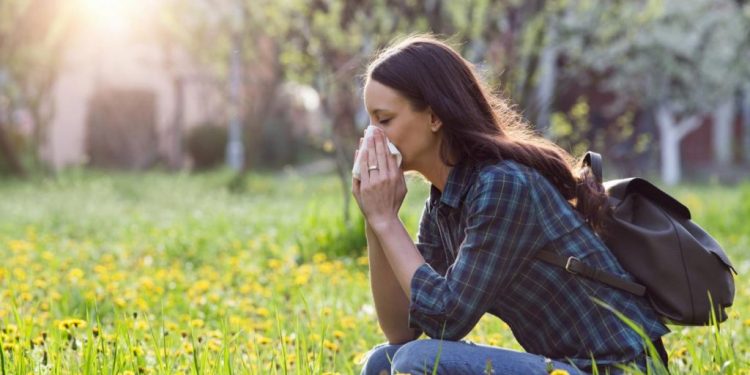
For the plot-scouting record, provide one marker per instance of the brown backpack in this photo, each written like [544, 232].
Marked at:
[681, 269]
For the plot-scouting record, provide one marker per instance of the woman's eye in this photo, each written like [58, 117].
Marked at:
[385, 121]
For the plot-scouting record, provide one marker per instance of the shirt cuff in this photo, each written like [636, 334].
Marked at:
[422, 313]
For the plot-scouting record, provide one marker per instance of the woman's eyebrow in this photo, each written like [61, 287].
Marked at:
[378, 110]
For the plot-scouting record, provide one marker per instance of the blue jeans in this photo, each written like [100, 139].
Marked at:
[458, 357]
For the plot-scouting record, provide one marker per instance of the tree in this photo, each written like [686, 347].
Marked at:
[679, 58]
[32, 37]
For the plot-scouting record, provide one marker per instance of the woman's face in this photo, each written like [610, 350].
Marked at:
[409, 130]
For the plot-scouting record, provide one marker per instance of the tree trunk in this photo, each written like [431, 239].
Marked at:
[548, 75]
[745, 143]
[9, 154]
[178, 120]
[671, 134]
[723, 117]
[235, 151]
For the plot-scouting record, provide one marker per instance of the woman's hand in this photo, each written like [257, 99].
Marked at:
[381, 189]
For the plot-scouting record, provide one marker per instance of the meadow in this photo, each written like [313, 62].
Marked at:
[160, 274]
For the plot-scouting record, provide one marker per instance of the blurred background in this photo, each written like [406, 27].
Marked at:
[660, 87]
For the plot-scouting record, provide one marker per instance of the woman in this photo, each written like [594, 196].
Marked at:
[499, 194]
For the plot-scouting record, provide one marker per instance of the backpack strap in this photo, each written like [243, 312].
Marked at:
[594, 161]
[577, 267]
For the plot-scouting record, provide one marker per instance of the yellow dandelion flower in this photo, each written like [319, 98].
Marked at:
[197, 323]
[319, 258]
[680, 352]
[332, 346]
[19, 274]
[263, 340]
[75, 274]
[140, 325]
[10, 329]
[289, 339]
[214, 345]
[19, 245]
[348, 322]
[339, 334]
[301, 279]
[291, 358]
[558, 372]
[120, 302]
[274, 264]
[187, 348]
[327, 268]
[263, 312]
[363, 260]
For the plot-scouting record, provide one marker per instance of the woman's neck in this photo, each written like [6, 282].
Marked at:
[437, 173]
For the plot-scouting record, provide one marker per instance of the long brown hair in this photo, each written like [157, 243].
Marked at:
[479, 126]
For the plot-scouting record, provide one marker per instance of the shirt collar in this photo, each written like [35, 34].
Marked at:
[457, 185]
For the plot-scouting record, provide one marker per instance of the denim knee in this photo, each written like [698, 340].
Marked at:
[378, 359]
[416, 357]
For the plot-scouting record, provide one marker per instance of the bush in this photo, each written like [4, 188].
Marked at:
[206, 145]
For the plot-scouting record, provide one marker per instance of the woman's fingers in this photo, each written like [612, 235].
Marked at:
[364, 176]
[381, 148]
[372, 157]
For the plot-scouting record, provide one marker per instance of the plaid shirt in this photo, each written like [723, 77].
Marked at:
[479, 238]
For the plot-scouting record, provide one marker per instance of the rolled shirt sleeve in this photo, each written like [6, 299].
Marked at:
[429, 245]
[499, 238]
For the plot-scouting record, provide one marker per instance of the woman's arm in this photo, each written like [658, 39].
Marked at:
[391, 304]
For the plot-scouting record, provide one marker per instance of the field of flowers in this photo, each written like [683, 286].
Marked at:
[162, 274]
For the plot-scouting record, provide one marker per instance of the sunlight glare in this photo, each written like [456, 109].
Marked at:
[109, 16]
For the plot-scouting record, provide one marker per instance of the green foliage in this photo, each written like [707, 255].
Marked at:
[206, 145]
[179, 275]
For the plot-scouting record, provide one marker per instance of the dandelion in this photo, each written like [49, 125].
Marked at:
[558, 372]
[274, 264]
[332, 346]
[319, 258]
[363, 261]
[214, 345]
[263, 312]
[68, 324]
[138, 351]
[680, 352]
[263, 340]
[75, 275]
[140, 325]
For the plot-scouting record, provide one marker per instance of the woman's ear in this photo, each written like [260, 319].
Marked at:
[435, 122]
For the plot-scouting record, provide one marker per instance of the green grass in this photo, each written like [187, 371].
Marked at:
[181, 274]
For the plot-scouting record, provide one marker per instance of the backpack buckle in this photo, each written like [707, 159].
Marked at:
[571, 264]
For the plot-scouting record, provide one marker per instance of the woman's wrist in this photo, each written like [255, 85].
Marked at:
[383, 225]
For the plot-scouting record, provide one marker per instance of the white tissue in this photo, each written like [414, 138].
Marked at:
[369, 131]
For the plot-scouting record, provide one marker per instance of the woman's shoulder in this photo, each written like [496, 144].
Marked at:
[509, 177]
[505, 171]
